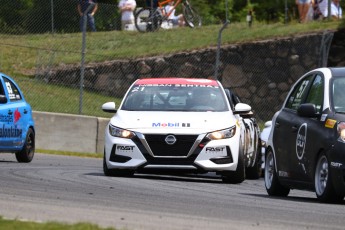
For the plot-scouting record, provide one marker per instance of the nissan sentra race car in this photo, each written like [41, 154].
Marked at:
[177, 125]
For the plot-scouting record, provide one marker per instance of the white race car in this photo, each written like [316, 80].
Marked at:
[177, 125]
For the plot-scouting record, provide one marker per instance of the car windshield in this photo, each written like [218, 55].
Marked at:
[338, 91]
[174, 97]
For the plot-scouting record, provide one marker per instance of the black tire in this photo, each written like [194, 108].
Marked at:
[28, 151]
[191, 16]
[238, 176]
[116, 172]
[273, 187]
[254, 172]
[147, 20]
[324, 188]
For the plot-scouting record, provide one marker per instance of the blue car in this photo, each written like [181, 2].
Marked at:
[17, 129]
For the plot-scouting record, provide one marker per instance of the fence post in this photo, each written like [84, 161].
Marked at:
[220, 41]
[82, 67]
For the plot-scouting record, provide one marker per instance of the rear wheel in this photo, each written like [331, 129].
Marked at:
[324, 189]
[147, 20]
[27, 153]
[273, 187]
[191, 16]
[254, 172]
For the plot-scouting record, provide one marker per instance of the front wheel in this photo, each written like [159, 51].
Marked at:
[273, 187]
[27, 153]
[191, 16]
[324, 189]
[115, 172]
[238, 176]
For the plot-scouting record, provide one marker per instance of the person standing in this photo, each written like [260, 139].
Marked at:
[127, 8]
[82, 7]
[303, 9]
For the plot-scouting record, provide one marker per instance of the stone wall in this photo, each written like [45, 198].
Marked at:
[261, 73]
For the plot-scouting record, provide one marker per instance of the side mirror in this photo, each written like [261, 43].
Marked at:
[307, 110]
[109, 107]
[3, 99]
[242, 109]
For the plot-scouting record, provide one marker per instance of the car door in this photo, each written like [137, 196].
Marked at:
[286, 127]
[13, 116]
[310, 131]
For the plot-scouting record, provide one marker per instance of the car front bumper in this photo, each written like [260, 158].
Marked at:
[191, 152]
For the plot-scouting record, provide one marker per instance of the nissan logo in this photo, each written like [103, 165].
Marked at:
[170, 139]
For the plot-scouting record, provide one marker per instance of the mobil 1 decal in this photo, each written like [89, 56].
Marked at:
[300, 143]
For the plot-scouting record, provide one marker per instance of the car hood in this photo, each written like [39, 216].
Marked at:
[173, 122]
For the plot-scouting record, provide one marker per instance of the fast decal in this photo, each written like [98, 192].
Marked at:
[124, 148]
[330, 123]
[10, 131]
[323, 117]
[215, 149]
[300, 143]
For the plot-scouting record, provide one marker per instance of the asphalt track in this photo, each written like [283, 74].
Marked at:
[74, 189]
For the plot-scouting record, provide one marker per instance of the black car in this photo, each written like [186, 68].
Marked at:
[306, 145]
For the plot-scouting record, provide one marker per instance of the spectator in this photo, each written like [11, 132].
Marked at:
[127, 8]
[303, 9]
[177, 20]
[336, 11]
[82, 7]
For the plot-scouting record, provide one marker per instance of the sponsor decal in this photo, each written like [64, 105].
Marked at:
[323, 117]
[215, 149]
[170, 125]
[301, 140]
[336, 164]
[283, 174]
[330, 123]
[6, 118]
[124, 148]
[17, 115]
[300, 144]
[10, 131]
[164, 125]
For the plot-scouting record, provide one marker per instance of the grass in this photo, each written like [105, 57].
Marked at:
[53, 98]
[21, 56]
[29, 225]
[21, 53]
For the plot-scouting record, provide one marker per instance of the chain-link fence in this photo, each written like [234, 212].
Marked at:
[54, 79]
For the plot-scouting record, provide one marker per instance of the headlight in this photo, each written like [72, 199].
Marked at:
[123, 133]
[222, 134]
[341, 131]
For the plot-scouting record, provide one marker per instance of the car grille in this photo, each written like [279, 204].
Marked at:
[161, 149]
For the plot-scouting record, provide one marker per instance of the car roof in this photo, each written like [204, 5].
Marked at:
[338, 71]
[181, 81]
